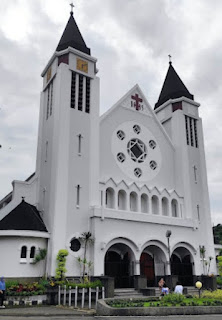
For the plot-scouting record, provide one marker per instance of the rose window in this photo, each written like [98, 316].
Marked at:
[137, 150]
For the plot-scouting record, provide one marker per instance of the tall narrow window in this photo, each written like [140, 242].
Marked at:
[46, 151]
[187, 130]
[198, 212]
[80, 98]
[23, 252]
[32, 252]
[195, 133]
[48, 102]
[51, 97]
[191, 131]
[195, 173]
[78, 195]
[87, 95]
[73, 91]
[79, 144]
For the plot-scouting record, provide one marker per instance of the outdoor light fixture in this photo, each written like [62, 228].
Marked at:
[198, 285]
[168, 233]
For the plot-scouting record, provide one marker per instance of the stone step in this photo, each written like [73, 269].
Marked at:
[126, 292]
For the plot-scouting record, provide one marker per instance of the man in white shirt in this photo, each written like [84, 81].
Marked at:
[178, 288]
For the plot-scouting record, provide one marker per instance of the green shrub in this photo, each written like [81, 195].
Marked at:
[61, 261]
[173, 298]
[217, 294]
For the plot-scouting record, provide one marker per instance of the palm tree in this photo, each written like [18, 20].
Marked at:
[87, 239]
[202, 255]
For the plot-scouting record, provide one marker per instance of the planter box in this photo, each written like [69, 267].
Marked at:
[25, 300]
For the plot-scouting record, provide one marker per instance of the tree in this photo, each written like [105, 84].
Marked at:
[202, 255]
[87, 239]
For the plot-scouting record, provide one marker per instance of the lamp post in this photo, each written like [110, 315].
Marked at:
[168, 234]
[198, 285]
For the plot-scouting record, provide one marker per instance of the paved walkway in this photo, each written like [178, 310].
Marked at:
[44, 311]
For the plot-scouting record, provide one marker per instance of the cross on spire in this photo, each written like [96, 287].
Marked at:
[170, 62]
[72, 6]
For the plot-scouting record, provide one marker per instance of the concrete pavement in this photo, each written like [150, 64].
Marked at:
[45, 311]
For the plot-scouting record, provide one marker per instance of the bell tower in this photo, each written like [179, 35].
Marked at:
[68, 145]
[179, 115]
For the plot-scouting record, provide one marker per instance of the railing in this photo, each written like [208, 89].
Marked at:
[80, 296]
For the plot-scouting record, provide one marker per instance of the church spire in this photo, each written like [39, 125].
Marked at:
[173, 87]
[72, 37]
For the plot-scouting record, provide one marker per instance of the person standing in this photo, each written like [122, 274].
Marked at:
[2, 292]
[160, 284]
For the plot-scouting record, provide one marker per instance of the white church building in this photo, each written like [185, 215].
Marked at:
[134, 177]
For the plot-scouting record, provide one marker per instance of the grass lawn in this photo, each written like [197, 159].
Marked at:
[171, 300]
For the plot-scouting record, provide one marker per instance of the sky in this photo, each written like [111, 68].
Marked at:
[131, 40]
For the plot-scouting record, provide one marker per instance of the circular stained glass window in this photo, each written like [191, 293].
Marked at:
[152, 144]
[75, 245]
[136, 129]
[120, 134]
[121, 157]
[137, 150]
[153, 165]
[138, 172]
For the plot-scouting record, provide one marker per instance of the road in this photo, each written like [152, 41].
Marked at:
[200, 317]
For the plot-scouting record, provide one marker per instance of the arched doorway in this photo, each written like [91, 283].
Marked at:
[182, 265]
[147, 268]
[153, 264]
[119, 263]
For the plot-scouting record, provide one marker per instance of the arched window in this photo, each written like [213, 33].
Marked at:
[110, 198]
[133, 201]
[155, 205]
[23, 252]
[32, 252]
[122, 200]
[174, 208]
[165, 206]
[144, 203]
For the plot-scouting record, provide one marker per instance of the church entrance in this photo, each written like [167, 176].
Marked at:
[182, 266]
[152, 264]
[147, 268]
[119, 264]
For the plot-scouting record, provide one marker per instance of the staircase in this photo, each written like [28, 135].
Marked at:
[192, 290]
[127, 293]
[150, 291]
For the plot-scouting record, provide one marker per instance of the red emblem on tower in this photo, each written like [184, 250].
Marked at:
[136, 103]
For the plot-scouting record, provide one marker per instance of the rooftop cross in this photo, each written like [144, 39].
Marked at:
[72, 6]
[170, 62]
